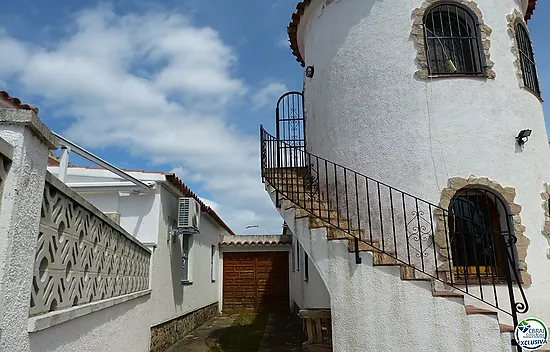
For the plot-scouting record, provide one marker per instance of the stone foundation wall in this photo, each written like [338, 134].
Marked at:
[166, 334]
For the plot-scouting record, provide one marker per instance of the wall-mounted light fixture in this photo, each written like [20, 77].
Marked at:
[523, 136]
[310, 71]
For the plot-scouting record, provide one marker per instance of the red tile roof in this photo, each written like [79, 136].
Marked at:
[14, 103]
[186, 191]
[255, 240]
[301, 6]
[174, 180]
[254, 243]
[530, 9]
[293, 30]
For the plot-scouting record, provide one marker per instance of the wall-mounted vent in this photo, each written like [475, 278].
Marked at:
[189, 214]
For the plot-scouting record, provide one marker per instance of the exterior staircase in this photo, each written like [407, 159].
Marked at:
[379, 302]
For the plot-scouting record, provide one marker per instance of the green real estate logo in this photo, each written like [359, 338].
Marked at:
[531, 334]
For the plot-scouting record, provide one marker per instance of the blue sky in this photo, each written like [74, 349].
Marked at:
[176, 86]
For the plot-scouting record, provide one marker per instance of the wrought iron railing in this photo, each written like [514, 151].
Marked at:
[469, 248]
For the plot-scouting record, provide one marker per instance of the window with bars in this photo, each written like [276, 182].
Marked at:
[306, 267]
[185, 249]
[298, 256]
[453, 41]
[527, 58]
[213, 263]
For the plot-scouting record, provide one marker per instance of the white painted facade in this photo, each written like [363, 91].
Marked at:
[147, 215]
[308, 291]
[366, 110]
[372, 309]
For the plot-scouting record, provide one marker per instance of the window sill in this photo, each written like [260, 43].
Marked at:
[538, 96]
[458, 75]
[186, 282]
[44, 321]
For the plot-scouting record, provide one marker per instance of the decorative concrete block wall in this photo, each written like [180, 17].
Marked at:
[82, 256]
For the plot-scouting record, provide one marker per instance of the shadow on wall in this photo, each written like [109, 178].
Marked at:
[176, 269]
[340, 30]
[89, 332]
[136, 209]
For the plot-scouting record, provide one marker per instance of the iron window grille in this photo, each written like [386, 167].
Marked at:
[212, 263]
[453, 41]
[297, 256]
[527, 58]
[479, 235]
[185, 249]
[306, 267]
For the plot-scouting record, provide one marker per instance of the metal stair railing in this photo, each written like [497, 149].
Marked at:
[458, 248]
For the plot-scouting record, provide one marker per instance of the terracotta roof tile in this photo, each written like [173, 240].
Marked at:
[174, 180]
[255, 240]
[253, 243]
[530, 9]
[52, 161]
[301, 6]
[10, 102]
[293, 30]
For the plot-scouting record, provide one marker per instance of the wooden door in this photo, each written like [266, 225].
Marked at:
[255, 281]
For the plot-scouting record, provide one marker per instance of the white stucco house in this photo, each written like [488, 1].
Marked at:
[184, 269]
[413, 171]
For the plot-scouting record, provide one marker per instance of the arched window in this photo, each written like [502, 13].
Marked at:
[479, 230]
[453, 41]
[527, 58]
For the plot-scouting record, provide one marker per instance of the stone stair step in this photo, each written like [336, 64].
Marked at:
[408, 273]
[471, 310]
[296, 198]
[316, 204]
[382, 259]
[334, 233]
[364, 245]
[447, 294]
[307, 205]
[317, 222]
[506, 328]
[325, 214]
[290, 189]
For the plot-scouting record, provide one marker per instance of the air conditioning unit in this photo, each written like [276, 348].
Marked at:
[189, 214]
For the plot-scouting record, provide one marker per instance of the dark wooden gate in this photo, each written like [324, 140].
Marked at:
[256, 281]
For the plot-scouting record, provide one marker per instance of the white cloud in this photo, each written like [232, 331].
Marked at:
[268, 94]
[156, 86]
[211, 203]
[284, 42]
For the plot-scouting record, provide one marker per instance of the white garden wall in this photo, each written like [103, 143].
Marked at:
[86, 319]
[123, 327]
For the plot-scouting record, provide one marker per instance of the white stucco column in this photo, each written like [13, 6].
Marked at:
[28, 140]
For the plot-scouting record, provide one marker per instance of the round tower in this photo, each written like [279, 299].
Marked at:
[430, 97]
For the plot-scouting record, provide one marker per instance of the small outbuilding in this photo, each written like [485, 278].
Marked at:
[255, 273]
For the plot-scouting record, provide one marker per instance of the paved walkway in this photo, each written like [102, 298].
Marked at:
[283, 333]
[200, 340]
